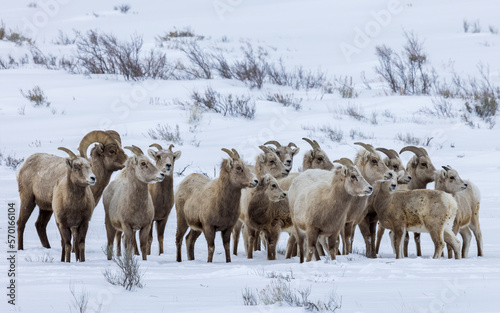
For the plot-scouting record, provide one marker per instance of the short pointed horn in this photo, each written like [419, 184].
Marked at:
[236, 154]
[447, 167]
[424, 151]
[95, 136]
[344, 161]
[417, 151]
[366, 146]
[273, 142]
[136, 150]
[291, 144]
[314, 144]
[265, 149]
[71, 154]
[231, 154]
[390, 153]
[157, 146]
[170, 147]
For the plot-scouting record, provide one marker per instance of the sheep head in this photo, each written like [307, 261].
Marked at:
[449, 181]
[164, 158]
[237, 171]
[108, 149]
[354, 183]
[269, 162]
[391, 184]
[144, 170]
[420, 165]
[269, 185]
[285, 153]
[371, 164]
[393, 162]
[316, 158]
[79, 169]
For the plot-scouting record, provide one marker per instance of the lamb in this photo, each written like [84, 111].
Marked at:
[419, 210]
[372, 167]
[209, 206]
[162, 193]
[265, 209]
[468, 208]
[422, 171]
[128, 205]
[318, 206]
[285, 153]
[73, 204]
[40, 172]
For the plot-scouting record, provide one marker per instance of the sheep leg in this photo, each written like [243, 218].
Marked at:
[250, 234]
[380, 234]
[118, 239]
[346, 235]
[407, 241]
[209, 233]
[373, 235]
[236, 236]
[160, 229]
[190, 241]
[182, 227]
[332, 247]
[398, 236]
[290, 246]
[437, 238]
[129, 239]
[27, 206]
[451, 240]
[476, 229]
[319, 249]
[75, 243]
[416, 236]
[144, 241]
[364, 227]
[65, 243]
[257, 242]
[312, 239]
[272, 237]
[110, 233]
[134, 244]
[41, 225]
[226, 242]
[300, 243]
[150, 236]
[81, 234]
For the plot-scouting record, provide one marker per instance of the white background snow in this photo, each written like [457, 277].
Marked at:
[307, 33]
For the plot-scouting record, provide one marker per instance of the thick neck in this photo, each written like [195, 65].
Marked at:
[102, 178]
[229, 195]
[381, 198]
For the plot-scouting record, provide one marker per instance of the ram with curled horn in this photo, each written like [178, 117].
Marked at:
[422, 172]
[128, 205]
[38, 175]
[211, 205]
[73, 204]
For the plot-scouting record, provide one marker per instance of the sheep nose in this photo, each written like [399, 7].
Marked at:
[370, 189]
[255, 182]
[284, 194]
[389, 175]
[168, 167]
[393, 186]
[288, 162]
[92, 179]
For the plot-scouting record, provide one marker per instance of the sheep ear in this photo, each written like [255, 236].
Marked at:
[443, 174]
[152, 153]
[266, 179]
[99, 148]
[366, 156]
[311, 154]
[262, 158]
[177, 155]
[295, 151]
[230, 162]
[272, 149]
[400, 174]
[68, 162]
[344, 170]
[135, 160]
[414, 162]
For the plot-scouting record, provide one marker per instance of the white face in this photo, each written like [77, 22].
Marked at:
[81, 171]
[146, 171]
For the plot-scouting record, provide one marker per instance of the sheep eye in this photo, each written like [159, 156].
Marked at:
[112, 151]
[143, 163]
[396, 167]
[320, 159]
[273, 185]
[77, 167]
[452, 177]
[272, 162]
[239, 168]
[374, 161]
[277, 153]
[158, 157]
[424, 164]
[353, 177]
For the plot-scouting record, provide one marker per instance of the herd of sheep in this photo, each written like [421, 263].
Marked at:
[319, 206]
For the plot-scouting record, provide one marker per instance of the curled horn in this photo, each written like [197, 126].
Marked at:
[424, 151]
[136, 150]
[390, 153]
[96, 136]
[231, 154]
[366, 146]
[446, 168]
[170, 147]
[291, 144]
[314, 144]
[273, 142]
[71, 154]
[417, 151]
[157, 146]
[345, 161]
[114, 134]
[236, 154]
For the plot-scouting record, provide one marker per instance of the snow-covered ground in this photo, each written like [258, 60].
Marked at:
[338, 37]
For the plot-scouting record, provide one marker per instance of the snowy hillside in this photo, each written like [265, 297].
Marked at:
[332, 94]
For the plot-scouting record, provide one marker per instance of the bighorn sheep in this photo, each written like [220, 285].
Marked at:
[266, 163]
[419, 210]
[422, 172]
[318, 206]
[285, 153]
[162, 193]
[128, 205]
[315, 158]
[73, 204]
[468, 208]
[209, 206]
[40, 172]
[264, 209]
[372, 167]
